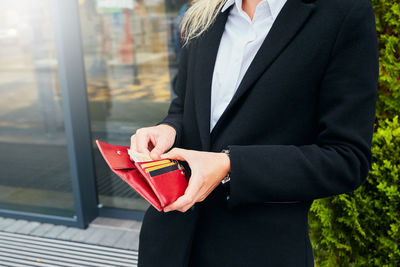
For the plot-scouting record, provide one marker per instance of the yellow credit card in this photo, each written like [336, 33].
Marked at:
[159, 167]
[159, 162]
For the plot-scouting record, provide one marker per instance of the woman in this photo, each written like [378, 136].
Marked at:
[279, 95]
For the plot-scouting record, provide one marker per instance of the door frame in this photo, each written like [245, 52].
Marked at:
[72, 78]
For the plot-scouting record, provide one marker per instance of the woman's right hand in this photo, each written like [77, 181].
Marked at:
[154, 140]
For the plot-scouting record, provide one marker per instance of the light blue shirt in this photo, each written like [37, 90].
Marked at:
[240, 42]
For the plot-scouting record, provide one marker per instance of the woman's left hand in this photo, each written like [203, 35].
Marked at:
[208, 169]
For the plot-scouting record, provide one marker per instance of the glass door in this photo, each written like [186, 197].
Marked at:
[35, 174]
[131, 50]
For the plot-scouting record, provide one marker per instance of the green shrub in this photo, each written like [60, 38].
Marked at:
[362, 228]
[387, 14]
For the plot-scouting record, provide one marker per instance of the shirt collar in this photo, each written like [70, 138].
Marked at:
[274, 5]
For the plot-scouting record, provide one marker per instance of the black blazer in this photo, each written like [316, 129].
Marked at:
[299, 127]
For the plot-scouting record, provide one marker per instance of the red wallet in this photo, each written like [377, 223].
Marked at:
[160, 182]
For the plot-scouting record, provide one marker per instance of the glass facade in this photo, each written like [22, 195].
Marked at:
[34, 165]
[130, 52]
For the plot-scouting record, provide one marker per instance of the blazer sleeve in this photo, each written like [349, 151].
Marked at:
[175, 111]
[340, 159]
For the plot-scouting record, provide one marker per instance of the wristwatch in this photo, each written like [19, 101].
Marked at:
[227, 178]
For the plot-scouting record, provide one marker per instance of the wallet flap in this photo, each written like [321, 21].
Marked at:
[136, 180]
[117, 157]
[169, 186]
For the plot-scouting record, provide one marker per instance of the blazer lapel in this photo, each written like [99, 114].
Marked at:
[289, 21]
[207, 49]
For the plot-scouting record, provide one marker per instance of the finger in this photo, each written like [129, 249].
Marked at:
[190, 197]
[176, 153]
[160, 147]
[185, 208]
[180, 204]
[142, 142]
[133, 143]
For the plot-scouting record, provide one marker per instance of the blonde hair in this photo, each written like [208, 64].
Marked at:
[199, 16]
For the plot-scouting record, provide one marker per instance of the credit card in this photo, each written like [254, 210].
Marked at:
[159, 166]
[180, 166]
[164, 170]
[154, 163]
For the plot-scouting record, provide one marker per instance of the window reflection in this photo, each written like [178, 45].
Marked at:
[34, 167]
[131, 50]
